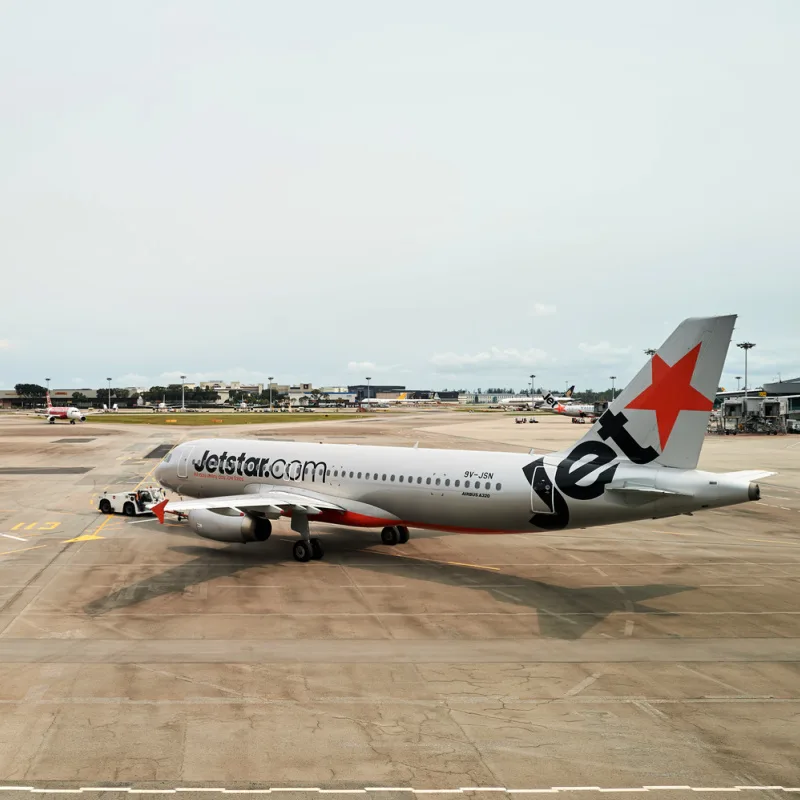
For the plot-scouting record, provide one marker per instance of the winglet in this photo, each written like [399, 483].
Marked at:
[159, 508]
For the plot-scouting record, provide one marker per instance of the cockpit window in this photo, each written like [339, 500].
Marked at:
[167, 457]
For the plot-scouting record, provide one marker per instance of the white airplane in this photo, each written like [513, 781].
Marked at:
[535, 401]
[637, 462]
[401, 399]
[70, 413]
[589, 410]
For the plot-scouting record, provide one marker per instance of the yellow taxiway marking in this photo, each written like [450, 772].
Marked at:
[146, 476]
[86, 537]
[476, 566]
[21, 550]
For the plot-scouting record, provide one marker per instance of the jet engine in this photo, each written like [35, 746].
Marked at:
[229, 527]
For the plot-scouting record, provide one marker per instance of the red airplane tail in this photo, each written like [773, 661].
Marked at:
[158, 510]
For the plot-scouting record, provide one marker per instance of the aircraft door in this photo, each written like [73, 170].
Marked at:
[183, 462]
[541, 492]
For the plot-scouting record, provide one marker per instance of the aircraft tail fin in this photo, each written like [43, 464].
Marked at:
[570, 391]
[661, 416]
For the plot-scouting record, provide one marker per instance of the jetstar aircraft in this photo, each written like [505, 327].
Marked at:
[579, 409]
[573, 409]
[63, 412]
[535, 401]
[637, 462]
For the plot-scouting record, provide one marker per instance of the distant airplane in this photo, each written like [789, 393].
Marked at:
[584, 410]
[374, 402]
[534, 401]
[70, 413]
[401, 399]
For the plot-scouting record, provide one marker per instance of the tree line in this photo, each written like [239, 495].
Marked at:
[171, 394]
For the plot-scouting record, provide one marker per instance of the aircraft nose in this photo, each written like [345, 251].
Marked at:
[162, 472]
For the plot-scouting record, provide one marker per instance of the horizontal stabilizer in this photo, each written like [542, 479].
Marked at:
[638, 489]
[751, 474]
[635, 494]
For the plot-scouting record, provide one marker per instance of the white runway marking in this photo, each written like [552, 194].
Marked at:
[654, 789]
[579, 687]
[9, 536]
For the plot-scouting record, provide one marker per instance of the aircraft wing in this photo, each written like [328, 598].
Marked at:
[274, 501]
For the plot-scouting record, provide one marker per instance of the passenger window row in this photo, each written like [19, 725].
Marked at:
[374, 476]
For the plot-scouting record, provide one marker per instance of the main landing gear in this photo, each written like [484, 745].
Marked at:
[308, 549]
[394, 534]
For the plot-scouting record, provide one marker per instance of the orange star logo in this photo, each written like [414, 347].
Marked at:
[670, 392]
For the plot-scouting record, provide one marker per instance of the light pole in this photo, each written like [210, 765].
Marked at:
[47, 380]
[109, 393]
[649, 351]
[745, 346]
[368, 380]
[738, 379]
[532, 377]
[613, 378]
[183, 393]
[269, 377]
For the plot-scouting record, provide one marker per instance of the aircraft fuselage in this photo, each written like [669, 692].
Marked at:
[468, 491]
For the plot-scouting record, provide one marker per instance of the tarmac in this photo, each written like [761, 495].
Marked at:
[656, 658]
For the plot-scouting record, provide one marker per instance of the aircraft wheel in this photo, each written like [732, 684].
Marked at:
[390, 535]
[316, 549]
[404, 535]
[72, 422]
[302, 551]
[128, 510]
[105, 506]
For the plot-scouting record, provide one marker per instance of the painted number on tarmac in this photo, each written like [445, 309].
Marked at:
[30, 526]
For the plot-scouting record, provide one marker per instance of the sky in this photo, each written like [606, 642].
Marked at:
[435, 194]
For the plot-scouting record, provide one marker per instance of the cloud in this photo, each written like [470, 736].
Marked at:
[369, 366]
[131, 379]
[490, 359]
[605, 353]
[230, 374]
[542, 310]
